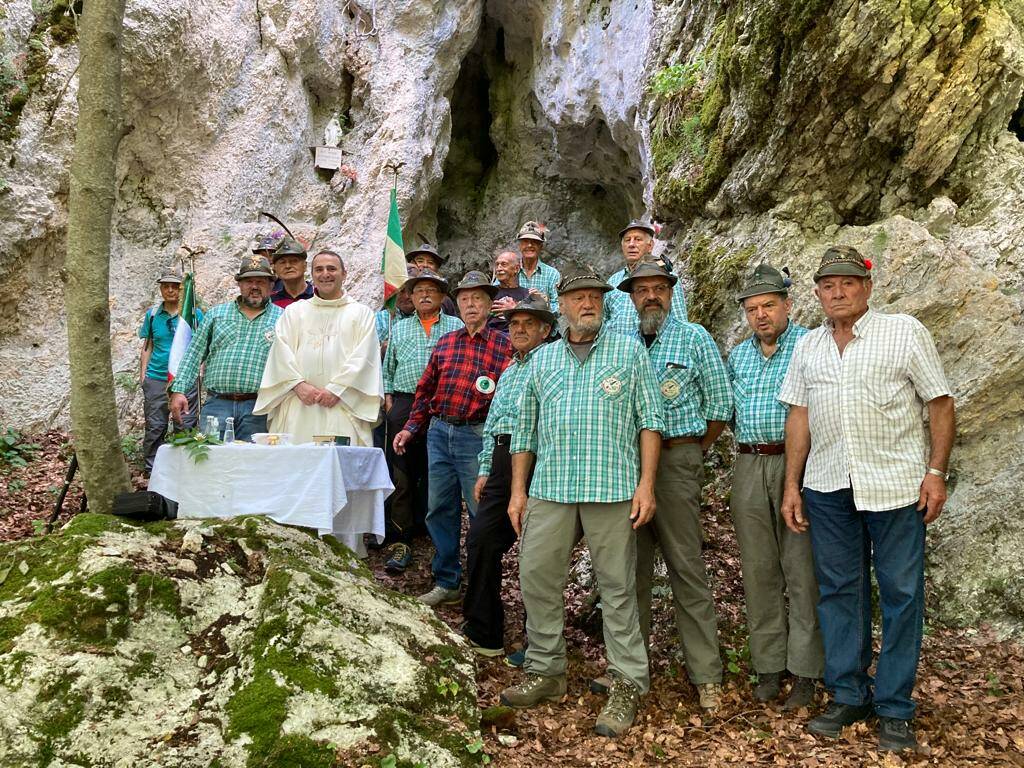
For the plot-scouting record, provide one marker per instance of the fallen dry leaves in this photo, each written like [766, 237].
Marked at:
[970, 689]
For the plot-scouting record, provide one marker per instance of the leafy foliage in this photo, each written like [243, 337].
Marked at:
[13, 451]
[195, 442]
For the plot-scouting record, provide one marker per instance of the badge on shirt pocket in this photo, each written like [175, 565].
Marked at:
[268, 336]
[611, 386]
[670, 389]
[484, 385]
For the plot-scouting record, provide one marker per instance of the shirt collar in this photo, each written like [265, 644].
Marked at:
[780, 343]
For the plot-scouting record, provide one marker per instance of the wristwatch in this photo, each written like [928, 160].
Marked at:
[939, 473]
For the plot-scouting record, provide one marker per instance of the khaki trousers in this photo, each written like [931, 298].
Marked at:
[549, 532]
[775, 562]
[676, 528]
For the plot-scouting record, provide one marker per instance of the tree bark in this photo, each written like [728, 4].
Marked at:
[90, 207]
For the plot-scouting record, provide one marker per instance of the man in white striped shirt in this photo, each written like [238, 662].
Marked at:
[857, 388]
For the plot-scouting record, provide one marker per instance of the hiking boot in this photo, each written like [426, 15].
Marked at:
[601, 684]
[399, 557]
[801, 694]
[832, 721]
[440, 596]
[620, 710]
[488, 653]
[768, 686]
[533, 690]
[895, 735]
[710, 695]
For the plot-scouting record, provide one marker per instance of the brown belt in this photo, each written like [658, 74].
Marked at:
[235, 396]
[763, 449]
[674, 441]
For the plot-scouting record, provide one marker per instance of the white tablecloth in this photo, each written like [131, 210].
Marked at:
[336, 489]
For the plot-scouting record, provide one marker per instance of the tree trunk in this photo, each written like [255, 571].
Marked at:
[91, 203]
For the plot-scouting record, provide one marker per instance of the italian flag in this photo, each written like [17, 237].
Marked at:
[186, 324]
[392, 263]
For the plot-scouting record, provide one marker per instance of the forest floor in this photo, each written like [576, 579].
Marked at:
[970, 687]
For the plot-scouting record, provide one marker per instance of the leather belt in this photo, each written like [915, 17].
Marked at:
[235, 396]
[458, 422]
[762, 449]
[503, 439]
[671, 442]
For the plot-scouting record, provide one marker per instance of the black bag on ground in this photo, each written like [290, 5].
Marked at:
[145, 505]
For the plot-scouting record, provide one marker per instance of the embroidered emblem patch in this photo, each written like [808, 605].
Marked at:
[269, 336]
[611, 386]
[670, 389]
[485, 385]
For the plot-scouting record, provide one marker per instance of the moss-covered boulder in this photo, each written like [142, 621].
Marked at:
[227, 643]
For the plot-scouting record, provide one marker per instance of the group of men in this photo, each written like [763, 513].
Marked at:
[561, 407]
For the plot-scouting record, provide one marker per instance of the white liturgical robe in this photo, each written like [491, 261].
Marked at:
[331, 344]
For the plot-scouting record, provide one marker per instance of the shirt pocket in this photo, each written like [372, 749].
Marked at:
[550, 384]
[612, 383]
[677, 382]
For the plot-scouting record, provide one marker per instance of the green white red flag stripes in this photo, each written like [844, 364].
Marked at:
[186, 325]
[393, 261]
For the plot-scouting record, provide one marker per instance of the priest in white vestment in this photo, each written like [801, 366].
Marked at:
[323, 373]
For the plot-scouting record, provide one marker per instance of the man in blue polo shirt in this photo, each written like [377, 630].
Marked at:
[157, 330]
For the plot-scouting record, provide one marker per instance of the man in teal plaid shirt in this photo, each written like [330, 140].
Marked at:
[591, 417]
[776, 561]
[697, 402]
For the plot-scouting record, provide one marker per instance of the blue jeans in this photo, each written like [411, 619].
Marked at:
[845, 541]
[246, 425]
[452, 455]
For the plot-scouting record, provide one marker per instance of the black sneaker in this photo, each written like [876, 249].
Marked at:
[832, 721]
[895, 735]
[768, 686]
[801, 694]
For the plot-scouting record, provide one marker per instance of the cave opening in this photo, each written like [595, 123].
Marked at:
[517, 154]
[1017, 121]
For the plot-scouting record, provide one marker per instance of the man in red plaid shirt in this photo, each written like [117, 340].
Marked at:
[451, 403]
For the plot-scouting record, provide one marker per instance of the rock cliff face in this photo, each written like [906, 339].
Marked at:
[233, 644]
[754, 129]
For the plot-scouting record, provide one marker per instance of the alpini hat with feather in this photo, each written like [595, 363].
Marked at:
[843, 260]
[765, 279]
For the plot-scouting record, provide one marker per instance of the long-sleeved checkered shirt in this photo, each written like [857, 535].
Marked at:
[505, 407]
[409, 349]
[865, 408]
[621, 314]
[756, 380]
[545, 279]
[691, 376]
[233, 347]
[583, 420]
[460, 378]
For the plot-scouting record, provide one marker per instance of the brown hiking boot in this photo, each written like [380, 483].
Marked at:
[533, 690]
[620, 711]
[801, 694]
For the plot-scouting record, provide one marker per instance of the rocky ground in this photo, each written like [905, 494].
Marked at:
[970, 689]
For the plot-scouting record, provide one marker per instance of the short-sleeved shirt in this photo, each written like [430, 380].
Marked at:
[409, 349]
[545, 279]
[582, 420]
[160, 325]
[233, 347]
[505, 407]
[621, 314]
[282, 298]
[692, 378]
[460, 377]
[756, 380]
[865, 408]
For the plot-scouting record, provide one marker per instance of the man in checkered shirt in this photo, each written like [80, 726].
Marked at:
[776, 562]
[697, 401]
[591, 416]
[857, 388]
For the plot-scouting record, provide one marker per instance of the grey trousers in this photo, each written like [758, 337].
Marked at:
[154, 394]
[776, 562]
[676, 528]
[549, 533]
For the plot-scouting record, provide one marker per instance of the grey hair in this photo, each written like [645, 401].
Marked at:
[507, 249]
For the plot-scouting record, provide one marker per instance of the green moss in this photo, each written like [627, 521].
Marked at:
[62, 708]
[715, 272]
